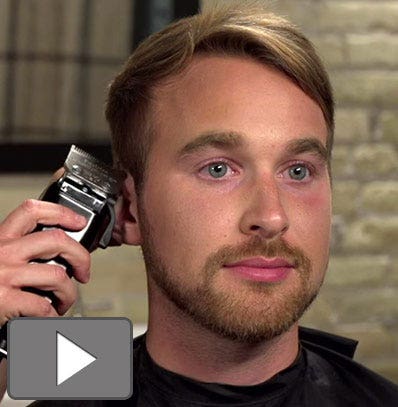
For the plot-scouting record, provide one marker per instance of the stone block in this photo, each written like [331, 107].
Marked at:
[352, 125]
[373, 50]
[338, 230]
[370, 87]
[99, 77]
[372, 235]
[353, 15]
[345, 198]
[110, 29]
[357, 271]
[389, 126]
[342, 162]
[375, 160]
[4, 21]
[380, 197]
[375, 341]
[50, 26]
[370, 305]
[331, 49]
[393, 274]
[46, 96]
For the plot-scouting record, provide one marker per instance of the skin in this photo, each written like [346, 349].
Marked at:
[19, 247]
[191, 216]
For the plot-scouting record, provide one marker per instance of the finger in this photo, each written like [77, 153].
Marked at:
[47, 277]
[32, 212]
[49, 244]
[24, 304]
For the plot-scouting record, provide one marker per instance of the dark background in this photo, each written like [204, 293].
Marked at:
[28, 147]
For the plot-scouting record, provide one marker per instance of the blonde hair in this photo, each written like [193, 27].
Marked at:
[230, 30]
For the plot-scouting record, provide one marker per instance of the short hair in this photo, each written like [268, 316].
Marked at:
[226, 30]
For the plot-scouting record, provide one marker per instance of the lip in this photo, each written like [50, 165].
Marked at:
[268, 270]
[261, 262]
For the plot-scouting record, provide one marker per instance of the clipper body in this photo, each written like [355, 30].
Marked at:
[90, 189]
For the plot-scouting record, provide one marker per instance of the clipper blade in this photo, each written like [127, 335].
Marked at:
[89, 169]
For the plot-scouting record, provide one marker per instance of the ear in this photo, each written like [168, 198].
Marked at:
[127, 228]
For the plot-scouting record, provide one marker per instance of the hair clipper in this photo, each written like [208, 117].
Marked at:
[90, 188]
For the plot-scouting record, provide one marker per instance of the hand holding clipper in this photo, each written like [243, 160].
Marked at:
[90, 189]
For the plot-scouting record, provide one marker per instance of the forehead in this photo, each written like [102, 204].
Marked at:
[218, 93]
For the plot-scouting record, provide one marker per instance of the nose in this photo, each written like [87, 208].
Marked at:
[264, 214]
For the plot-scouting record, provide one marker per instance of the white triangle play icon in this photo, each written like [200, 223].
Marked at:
[71, 358]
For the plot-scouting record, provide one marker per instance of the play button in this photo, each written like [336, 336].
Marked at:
[71, 358]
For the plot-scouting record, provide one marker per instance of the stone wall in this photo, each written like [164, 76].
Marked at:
[359, 43]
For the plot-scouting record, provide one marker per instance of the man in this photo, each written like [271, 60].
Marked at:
[224, 124]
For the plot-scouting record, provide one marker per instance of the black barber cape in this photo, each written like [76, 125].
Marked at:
[323, 375]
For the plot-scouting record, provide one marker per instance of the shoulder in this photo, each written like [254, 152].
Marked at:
[332, 370]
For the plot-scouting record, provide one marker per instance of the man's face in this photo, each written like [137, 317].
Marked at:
[236, 207]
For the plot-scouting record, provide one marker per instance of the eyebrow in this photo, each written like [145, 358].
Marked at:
[308, 145]
[225, 140]
[231, 140]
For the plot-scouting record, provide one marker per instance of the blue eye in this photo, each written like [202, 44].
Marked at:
[298, 172]
[217, 170]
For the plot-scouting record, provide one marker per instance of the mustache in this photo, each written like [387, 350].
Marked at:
[257, 246]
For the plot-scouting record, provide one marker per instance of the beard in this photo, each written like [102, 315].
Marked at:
[255, 312]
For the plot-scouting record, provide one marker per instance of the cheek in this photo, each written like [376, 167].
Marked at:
[318, 199]
[186, 224]
[310, 229]
[310, 218]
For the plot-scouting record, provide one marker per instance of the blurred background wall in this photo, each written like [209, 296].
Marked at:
[56, 59]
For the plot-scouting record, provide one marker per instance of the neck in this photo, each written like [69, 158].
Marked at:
[179, 344]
